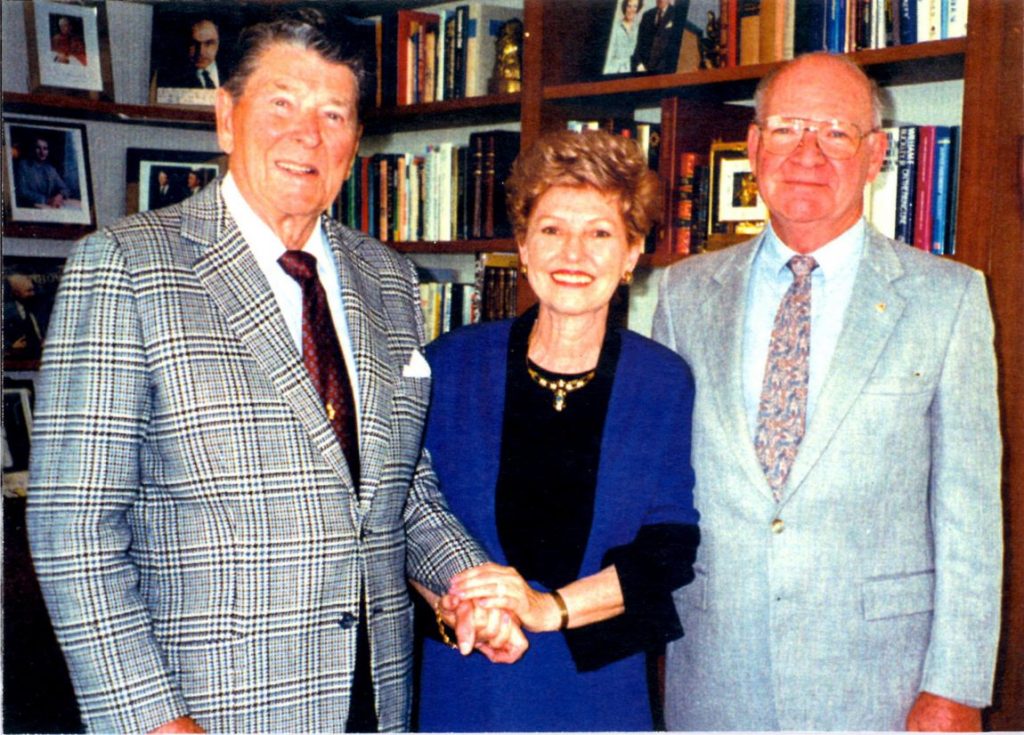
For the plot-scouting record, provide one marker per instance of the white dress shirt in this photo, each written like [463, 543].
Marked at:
[267, 247]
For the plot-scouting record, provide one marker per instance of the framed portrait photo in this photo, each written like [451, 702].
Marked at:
[69, 48]
[735, 204]
[193, 50]
[29, 287]
[47, 191]
[158, 178]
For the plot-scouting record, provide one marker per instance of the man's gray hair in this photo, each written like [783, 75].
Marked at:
[306, 29]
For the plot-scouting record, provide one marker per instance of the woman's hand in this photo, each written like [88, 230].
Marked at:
[492, 631]
[492, 586]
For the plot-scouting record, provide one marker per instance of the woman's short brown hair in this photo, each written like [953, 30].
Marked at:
[611, 164]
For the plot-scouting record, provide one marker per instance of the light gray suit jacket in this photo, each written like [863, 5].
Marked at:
[879, 573]
[193, 521]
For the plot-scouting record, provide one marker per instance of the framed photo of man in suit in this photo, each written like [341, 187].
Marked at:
[69, 48]
[193, 50]
[47, 191]
[29, 287]
[158, 178]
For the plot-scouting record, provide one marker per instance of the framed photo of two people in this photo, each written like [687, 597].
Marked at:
[659, 36]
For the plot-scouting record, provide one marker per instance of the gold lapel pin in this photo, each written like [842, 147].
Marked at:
[880, 306]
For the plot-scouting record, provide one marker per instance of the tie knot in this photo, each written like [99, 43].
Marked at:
[801, 265]
[300, 265]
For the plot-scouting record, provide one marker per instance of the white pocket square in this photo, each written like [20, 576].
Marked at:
[418, 366]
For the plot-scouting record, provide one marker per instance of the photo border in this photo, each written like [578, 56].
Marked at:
[59, 224]
[96, 79]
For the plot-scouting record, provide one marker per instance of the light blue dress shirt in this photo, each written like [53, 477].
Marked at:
[267, 247]
[831, 289]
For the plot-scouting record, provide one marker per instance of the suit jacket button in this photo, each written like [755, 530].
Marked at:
[347, 621]
[778, 525]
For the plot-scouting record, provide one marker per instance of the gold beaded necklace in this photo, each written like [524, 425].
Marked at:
[561, 387]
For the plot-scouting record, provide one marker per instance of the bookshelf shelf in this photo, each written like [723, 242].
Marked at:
[83, 108]
[436, 115]
[923, 62]
[455, 247]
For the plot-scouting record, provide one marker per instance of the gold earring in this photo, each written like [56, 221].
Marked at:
[523, 269]
[627, 278]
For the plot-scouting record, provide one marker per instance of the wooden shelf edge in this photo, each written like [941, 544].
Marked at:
[469, 247]
[57, 105]
[646, 85]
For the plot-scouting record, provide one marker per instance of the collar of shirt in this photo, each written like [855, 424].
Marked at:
[831, 289]
[267, 247]
[212, 71]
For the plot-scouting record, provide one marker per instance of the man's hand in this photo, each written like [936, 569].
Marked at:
[182, 724]
[932, 713]
[493, 632]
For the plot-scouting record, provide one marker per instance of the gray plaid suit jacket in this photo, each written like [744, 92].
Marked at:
[884, 579]
[192, 519]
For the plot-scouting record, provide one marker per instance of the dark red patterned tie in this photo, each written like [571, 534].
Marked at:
[321, 354]
[782, 414]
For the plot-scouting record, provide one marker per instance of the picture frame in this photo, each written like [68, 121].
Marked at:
[18, 399]
[29, 288]
[193, 50]
[701, 45]
[69, 48]
[47, 183]
[158, 178]
[735, 205]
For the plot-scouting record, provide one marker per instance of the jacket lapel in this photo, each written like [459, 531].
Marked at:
[874, 310]
[229, 272]
[365, 317]
[723, 345]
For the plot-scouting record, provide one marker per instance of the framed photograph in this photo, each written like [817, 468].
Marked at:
[47, 187]
[30, 285]
[735, 204]
[69, 48]
[159, 178]
[17, 431]
[193, 50]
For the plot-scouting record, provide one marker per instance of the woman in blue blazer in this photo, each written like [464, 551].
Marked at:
[564, 446]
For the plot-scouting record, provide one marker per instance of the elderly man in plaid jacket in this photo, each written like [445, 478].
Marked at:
[206, 555]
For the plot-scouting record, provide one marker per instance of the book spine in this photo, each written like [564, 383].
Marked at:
[940, 200]
[907, 21]
[906, 180]
[923, 190]
[954, 189]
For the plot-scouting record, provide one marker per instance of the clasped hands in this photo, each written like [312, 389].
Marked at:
[490, 605]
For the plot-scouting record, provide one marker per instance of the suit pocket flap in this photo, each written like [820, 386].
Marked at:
[889, 597]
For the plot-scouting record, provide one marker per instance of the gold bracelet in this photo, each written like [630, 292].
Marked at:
[562, 609]
[441, 627]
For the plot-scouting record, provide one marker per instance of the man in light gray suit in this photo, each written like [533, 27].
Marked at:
[217, 551]
[848, 479]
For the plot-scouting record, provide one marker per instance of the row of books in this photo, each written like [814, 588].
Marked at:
[447, 303]
[431, 56]
[914, 197]
[761, 31]
[447, 192]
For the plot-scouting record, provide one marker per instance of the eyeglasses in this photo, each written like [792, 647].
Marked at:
[837, 139]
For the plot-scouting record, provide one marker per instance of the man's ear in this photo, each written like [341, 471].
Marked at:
[878, 144]
[753, 143]
[224, 105]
